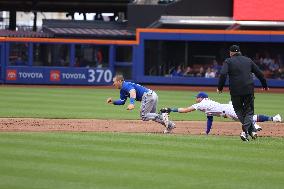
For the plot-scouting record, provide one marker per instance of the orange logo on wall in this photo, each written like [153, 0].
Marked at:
[54, 75]
[11, 75]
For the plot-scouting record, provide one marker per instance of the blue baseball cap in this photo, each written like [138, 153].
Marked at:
[202, 95]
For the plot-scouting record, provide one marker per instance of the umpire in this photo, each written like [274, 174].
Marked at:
[241, 85]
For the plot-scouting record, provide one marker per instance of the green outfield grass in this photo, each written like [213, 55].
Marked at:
[127, 161]
[68, 160]
[91, 103]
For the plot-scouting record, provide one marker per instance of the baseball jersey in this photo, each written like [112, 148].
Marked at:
[127, 86]
[212, 108]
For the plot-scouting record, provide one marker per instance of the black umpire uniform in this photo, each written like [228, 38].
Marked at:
[241, 85]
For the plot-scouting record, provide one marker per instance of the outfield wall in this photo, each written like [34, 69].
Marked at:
[39, 65]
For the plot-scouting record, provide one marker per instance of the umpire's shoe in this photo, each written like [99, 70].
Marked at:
[244, 136]
[253, 135]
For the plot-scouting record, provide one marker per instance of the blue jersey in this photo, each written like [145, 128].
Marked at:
[127, 86]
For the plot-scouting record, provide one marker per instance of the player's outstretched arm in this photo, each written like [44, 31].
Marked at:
[179, 110]
[116, 102]
[186, 110]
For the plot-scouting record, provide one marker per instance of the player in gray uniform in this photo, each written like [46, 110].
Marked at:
[212, 108]
[148, 98]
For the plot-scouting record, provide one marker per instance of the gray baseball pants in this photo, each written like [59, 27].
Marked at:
[148, 108]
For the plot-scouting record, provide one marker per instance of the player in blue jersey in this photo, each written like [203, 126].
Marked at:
[148, 98]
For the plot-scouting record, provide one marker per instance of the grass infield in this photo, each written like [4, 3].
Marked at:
[116, 160]
[91, 103]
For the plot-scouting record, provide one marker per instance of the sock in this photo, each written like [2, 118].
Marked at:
[263, 118]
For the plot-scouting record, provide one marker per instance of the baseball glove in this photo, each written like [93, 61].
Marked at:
[165, 110]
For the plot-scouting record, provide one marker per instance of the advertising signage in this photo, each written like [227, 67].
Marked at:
[38, 75]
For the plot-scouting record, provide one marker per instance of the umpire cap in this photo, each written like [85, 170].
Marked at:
[235, 48]
[202, 95]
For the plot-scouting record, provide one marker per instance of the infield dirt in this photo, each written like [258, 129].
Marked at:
[130, 126]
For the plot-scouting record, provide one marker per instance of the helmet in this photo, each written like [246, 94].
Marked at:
[202, 95]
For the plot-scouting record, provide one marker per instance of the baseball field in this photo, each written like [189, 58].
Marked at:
[54, 137]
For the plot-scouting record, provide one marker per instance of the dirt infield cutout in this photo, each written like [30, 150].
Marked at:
[130, 126]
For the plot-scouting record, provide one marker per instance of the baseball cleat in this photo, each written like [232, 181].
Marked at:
[170, 127]
[277, 118]
[166, 131]
[165, 117]
[257, 127]
[253, 135]
[244, 137]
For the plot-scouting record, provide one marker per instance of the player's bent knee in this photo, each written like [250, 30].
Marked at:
[144, 118]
